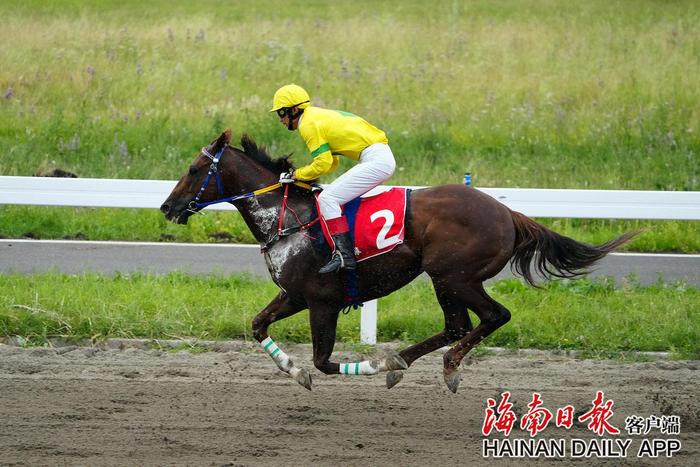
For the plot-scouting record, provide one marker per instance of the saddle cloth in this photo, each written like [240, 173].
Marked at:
[376, 222]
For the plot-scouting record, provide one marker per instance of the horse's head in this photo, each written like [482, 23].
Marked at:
[214, 178]
[181, 203]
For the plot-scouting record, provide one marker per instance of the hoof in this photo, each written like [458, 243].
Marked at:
[452, 380]
[303, 377]
[394, 361]
[393, 378]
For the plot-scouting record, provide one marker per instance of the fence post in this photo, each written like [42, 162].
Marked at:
[368, 323]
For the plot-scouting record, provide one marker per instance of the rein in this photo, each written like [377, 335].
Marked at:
[281, 231]
[214, 170]
[196, 205]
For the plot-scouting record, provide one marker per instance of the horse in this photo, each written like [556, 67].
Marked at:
[456, 234]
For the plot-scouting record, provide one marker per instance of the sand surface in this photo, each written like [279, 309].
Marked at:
[140, 406]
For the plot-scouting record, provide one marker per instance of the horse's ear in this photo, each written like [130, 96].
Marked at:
[222, 140]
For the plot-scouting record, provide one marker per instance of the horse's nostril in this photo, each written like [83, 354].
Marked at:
[165, 208]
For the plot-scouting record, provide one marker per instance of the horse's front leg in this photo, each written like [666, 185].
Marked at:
[324, 321]
[279, 308]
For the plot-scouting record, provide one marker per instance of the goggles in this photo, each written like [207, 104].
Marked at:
[281, 112]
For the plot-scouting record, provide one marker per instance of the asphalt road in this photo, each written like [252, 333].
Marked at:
[32, 256]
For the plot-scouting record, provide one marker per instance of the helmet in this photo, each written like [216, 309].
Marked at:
[289, 96]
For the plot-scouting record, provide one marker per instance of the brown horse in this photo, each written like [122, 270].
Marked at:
[459, 236]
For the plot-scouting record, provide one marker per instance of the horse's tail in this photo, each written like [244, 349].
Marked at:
[559, 256]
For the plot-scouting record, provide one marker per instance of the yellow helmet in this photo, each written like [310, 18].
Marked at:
[289, 96]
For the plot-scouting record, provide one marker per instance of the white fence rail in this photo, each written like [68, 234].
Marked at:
[600, 204]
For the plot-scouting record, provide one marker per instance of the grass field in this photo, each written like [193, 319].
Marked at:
[593, 316]
[535, 93]
[599, 94]
[546, 94]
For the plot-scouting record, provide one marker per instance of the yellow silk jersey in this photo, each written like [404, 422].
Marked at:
[329, 133]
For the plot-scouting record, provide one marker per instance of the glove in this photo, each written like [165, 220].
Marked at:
[287, 177]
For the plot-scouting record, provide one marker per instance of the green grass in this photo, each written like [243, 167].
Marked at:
[548, 94]
[534, 93]
[593, 316]
[598, 94]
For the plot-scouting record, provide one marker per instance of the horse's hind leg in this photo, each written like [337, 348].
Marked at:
[457, 325]
[492, 315]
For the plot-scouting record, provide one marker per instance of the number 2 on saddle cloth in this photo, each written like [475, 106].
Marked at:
[377, 226]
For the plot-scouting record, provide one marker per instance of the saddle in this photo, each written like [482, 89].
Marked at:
[376, 222]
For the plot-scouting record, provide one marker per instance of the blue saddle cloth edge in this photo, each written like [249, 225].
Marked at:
[350, 210]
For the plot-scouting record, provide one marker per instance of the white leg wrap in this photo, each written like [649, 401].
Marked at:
[281, 359]
[361, 368]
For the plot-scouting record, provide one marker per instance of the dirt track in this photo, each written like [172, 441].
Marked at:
[86, 406]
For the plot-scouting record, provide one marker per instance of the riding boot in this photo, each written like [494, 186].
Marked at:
[343, 256]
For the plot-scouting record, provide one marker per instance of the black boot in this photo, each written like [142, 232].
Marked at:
[343, 256]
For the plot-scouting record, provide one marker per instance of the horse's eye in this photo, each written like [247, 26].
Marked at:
[193, 170]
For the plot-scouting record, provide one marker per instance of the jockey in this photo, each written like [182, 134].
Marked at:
[329, 134]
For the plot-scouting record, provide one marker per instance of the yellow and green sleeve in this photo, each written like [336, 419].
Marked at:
[324, 161]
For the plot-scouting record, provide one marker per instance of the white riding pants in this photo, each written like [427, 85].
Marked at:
[375, 166]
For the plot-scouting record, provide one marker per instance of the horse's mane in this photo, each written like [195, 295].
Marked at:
[260, 155]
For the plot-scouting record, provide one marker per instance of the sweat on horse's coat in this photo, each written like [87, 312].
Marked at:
[457, 235]
[277, 254]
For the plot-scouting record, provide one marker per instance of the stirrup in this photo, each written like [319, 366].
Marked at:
[336, 263]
